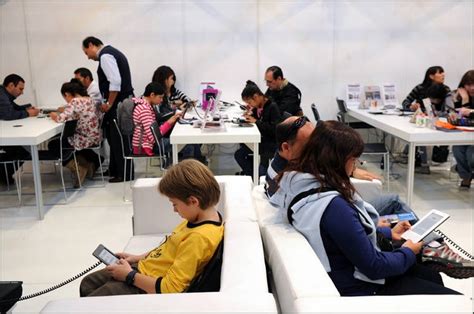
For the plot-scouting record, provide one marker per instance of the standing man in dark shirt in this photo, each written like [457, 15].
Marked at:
[13, 86]
[286, 95]
[115, 84]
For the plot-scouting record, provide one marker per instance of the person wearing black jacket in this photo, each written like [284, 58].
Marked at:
[115, 85]
[13, 86]
[464, 154]
[266, 115]
[286, 95]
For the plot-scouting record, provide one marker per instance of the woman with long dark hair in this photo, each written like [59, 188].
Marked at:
[342, 228]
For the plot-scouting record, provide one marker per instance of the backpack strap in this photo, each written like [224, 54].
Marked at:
[302, 195]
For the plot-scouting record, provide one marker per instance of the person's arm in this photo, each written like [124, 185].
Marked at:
[111, 71]
[290, 100]
[364, 175]
[66, 115]
[9, 111]
[268, 127]
[413, 96]
[343, 225]
[190, 256]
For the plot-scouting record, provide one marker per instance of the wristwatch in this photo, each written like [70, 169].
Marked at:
[130, 279]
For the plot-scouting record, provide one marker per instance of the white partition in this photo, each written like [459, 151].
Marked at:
[321, 45]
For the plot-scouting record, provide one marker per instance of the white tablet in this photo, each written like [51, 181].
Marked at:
[425, 226]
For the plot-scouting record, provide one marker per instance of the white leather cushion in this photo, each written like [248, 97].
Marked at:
[143, 243]
[238, 198]
[165, 303]
[266, 213]
[297, 271]
[368, 190]
[393, 304]
[243, 266]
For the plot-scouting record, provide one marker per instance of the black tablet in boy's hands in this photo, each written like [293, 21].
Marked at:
[104, 255]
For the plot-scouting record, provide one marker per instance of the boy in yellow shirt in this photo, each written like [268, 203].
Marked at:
[170, 268]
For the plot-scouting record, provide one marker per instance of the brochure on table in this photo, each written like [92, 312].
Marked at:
[353, 95]
[390, 100]
[372, 98]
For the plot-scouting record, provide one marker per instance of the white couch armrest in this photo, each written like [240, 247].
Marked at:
[368, 190]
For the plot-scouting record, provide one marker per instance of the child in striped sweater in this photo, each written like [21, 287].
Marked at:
[144, 116]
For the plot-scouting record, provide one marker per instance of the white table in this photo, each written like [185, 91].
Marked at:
[400, 127]
[30, 132]
[185, 134]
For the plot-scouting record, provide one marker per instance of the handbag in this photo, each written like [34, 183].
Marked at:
[440, 154]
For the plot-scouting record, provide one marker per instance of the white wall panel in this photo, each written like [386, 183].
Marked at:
[320, 45]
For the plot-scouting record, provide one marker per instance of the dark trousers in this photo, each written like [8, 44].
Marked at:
[100, 283]
[11, 153]
[418, 280]
[244, 157]
[116, 162]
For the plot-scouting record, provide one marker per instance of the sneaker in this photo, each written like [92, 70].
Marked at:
[442, 259]
[423, 170]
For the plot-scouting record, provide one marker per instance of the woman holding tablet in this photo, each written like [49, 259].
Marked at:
[342, 228]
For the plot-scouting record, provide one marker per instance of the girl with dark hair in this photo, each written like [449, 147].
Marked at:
[144, 116]
[464, 154]
[266, 115]
[173, 99]
[414, 100]
[341, 228]
[79, 107]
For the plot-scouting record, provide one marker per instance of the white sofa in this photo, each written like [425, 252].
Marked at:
[244, 285]
[301, 284]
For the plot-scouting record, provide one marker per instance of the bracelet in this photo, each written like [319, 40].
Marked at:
[130, 279]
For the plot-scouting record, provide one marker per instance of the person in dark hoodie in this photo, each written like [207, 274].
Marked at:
[266, 115]
[342, 228]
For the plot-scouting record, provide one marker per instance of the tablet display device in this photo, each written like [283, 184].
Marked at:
[425, 226]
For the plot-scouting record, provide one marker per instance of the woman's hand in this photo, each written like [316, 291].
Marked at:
[465, 111]
[462, 92]
[415, 106]
[120, 270]
[399, 229]
[415, 247]
[130, 258]
[54, 116]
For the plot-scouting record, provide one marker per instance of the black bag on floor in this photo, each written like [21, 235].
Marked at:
[440, 154]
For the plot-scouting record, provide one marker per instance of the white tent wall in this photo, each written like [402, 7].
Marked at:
[320, 45]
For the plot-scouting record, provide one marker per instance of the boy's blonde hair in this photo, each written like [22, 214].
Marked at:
[191, 178]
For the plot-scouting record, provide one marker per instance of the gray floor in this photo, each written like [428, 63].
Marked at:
[44, 253]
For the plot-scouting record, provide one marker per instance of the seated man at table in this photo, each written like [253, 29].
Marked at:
[84, 76]
[286, 95]
[13, 86]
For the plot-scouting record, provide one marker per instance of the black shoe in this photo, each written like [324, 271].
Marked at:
[116, 179]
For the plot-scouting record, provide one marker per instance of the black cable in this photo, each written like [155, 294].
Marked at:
[460, 249]
[29, 296]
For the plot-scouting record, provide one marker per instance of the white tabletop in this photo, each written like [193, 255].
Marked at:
[28, 131]
[232, 133]
[401, 127]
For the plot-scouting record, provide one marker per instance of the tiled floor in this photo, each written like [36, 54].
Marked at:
[44, 253]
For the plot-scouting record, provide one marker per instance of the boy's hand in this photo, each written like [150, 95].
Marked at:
[399, 229]
[120, 270]
[130, 258]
